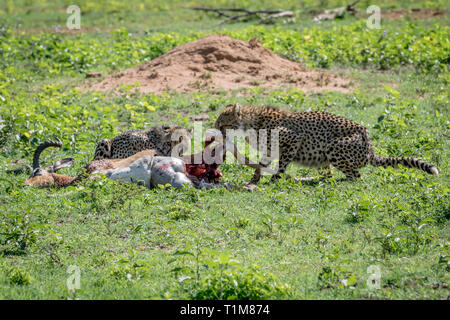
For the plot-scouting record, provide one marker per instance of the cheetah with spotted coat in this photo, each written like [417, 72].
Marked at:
[158, 138]
[313, 139]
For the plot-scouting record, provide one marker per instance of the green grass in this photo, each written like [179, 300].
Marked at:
[166, 16]
[310, 241]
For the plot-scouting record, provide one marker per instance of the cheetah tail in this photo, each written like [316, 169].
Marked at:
[378, 161]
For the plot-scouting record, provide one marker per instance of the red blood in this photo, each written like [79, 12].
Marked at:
[206, 172]
[165, 167]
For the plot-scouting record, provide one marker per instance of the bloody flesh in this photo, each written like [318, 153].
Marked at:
[209, 173]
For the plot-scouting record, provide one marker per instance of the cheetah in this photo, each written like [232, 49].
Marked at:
[313, 139]
[159, 138]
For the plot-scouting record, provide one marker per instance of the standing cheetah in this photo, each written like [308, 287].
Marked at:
[313, 139]
[133, 141]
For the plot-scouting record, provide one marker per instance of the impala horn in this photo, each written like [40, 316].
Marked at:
[37, 153]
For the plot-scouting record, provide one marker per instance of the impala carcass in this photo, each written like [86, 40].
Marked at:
[143, 168]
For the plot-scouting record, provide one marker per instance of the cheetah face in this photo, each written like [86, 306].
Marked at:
[103, 150]
[177, 140]
[229, 118]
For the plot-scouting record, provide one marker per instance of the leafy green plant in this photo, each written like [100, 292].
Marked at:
[18, 276]
[359, 209]
[18, 230]
[180, 210]
[131, 267]
[225, 278]
[398, 218]
[405, 239]
[336, 276]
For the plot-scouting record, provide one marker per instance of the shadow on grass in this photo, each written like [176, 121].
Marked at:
[12, 252]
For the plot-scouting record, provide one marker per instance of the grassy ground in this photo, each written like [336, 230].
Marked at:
[316, 240]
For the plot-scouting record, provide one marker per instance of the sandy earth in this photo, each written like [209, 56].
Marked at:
[220, 62]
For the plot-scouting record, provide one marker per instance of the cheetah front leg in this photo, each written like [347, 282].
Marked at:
[285, 159]
[289, 146]
[256, 176]
[263, 164]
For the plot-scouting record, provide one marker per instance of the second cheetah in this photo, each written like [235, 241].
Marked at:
[160, 138]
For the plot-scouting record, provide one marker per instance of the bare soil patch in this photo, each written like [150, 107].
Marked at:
[220, 62]
[418, 13]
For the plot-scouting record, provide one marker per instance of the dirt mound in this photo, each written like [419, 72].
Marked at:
[220, 62]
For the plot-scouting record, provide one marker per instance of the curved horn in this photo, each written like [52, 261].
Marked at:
[41, 148]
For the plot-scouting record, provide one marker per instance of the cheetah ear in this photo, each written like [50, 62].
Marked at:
[168, 132]
[167, 129]
[237, 109]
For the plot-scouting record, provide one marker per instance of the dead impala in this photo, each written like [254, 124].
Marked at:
[142, 168]
[145, 167]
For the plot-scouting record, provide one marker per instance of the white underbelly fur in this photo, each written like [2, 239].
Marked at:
[139, 172]
[152, 171]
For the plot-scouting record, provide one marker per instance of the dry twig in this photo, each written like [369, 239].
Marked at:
[336, 13]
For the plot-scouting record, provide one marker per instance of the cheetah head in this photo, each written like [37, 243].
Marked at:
[176, 140]
[103, 150]
[229, 118]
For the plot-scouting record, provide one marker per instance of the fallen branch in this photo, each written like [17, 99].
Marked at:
[285, 14]
[244, 14]
[336, 13]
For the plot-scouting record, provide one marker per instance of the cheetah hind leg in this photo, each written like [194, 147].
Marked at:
[352, 176]
[348, 168]
[348, 155]
[103, 150]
